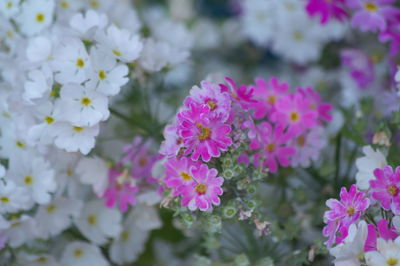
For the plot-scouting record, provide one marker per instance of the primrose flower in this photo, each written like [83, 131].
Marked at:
[386, 188]
[203, 135]
[204, 191]
[179, 174]
[240, 93]
[327, 9]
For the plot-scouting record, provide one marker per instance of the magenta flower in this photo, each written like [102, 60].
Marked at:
[267, 95]
[294, 112]
[324, 109]
[386, 188]
[371, 15]
[241, 94]
[344, 212]
[179, 174]
[202, 134]
[204, 191]
[360, 67]
[274, 147]
[211, 95]
[121, 190]
[326, 9]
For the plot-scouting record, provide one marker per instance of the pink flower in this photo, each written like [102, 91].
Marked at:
[121, 190]
[384, 231]
[267, 95]
[211, 95]
[294, 112]
[179, 174]
[241, 94]
[371, 15]
[173, 142]
[273, 147]
[360, 67]
[344, 212]
[202, 134]
[323, 109]
[327, 9]
[204, 191]
[386, 188]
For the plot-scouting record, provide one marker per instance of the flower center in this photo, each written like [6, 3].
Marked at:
[49, 120]
[80, 63]
[28, 180]
[20, 144]
[271, 99]
[64, 4]
[77, 129]
[142, 161]
[301, 141]
[78, 253]
[40, 17]
[298, 36]
[51, 208]
[4, 199]
[205, 132]
[117, 53]
[125, 236]
[371, 7]
[393, 190]
[392, 261]
[102, 74]
[42, 260]
[212, 105]
[9, 4]
[350, 211]
[185, 176]
[94, 4]
[294, 117]
[270, 147]
[201, 189]
[85, 101]
[91, 219]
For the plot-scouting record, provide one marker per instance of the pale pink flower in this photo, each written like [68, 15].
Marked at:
[179, 174]
[324, 109]
[173, 142]
[267, 94]
[204, 192]
[203, 136]
[386, 188]
[273, 145]
[242, 94]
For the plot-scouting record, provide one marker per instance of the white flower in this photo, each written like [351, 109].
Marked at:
[36, 259]
[34, 173]
[98, 223]
[396, 223]
[98, 5]
[9, 8]
[13, 198]
[94, 172]
[44, 131]
[82, 254]
[82, 106]
[366, 166]
[54, 218]
[106, 76]
[347, 253]
[74, 138]
[21, 230]
[35, 16]
[121, 43]
[39, 82]
[66, 8]
[388, 253]
[39, 49]
[70, 61]
[131, 242]
[87, 25]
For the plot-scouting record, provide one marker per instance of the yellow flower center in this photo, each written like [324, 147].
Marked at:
[270, 147]
[271, 99]
[28, 180]
[301, 141]
[64, 4]
[40, 17]
[92, 220]
[20, 144]
[392, 262]
[69, 172]
[212, 105]
[78, 253]
[102, 74]
[298, 36]
[49, 120]
[42, 260]
[371, 7]
[10, 34]
[294, 117]
[77, 129]
[86, 101]
[393, 190]
[201, 189]
[117, 52]
[9, 4]
[4, 199]
[95, 4]
[185, 176]
[205, 132]
[125, 236]
[51, 208]
[350, 211]
[80, 63]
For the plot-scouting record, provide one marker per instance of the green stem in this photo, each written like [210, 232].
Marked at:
[337, 159]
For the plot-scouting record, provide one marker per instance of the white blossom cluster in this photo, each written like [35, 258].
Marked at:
[285, 28]
[61, 61]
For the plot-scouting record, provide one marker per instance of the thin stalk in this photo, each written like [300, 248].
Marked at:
[337, 159]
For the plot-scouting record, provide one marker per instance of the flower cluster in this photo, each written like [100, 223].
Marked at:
[280, 128]
[364, 225]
